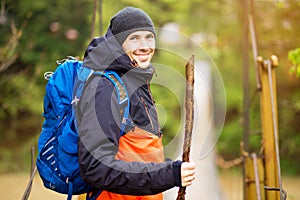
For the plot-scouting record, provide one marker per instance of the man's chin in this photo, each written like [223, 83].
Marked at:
[144, 65]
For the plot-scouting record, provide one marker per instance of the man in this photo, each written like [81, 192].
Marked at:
[129, 164]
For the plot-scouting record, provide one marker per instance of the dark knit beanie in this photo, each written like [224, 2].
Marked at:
[129, 20]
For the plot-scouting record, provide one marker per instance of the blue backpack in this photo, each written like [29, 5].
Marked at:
[57, 160]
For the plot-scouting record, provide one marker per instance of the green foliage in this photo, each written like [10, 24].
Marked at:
[24, 96]
[231, 134]
[31, 43]
[28, 48]
[288, 117]
[294, 56]
[20, 111]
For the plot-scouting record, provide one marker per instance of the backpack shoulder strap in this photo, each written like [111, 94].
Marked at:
[85, 73]
[123, 99]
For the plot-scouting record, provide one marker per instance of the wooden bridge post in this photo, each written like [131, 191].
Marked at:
[268, 99]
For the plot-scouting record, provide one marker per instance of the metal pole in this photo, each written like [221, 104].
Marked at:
[245, 56]
[256, 174]
[269, 65]
[245, 51]
[254, 43]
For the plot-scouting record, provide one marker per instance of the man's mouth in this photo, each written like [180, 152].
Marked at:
[142, 57]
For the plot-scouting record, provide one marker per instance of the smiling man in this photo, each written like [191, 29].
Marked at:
[140, 47]
[124, 164]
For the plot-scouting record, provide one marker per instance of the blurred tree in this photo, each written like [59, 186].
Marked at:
[277, 26]
[36, 33]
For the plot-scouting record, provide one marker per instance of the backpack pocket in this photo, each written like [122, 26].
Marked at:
[68, 150]
[68, 141]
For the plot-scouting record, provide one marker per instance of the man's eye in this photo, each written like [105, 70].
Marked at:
[133, 38]
[150, 36]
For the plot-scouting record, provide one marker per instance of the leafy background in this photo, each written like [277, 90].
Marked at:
[29, 46]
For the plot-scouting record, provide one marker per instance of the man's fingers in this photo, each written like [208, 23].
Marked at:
[187, 181]
[188, 165]
[188, 171]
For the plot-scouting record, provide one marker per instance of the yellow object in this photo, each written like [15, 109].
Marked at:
[254, 178]
[269, 126]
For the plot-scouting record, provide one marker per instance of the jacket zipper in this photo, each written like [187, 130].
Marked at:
[148, 87]
[147, 111]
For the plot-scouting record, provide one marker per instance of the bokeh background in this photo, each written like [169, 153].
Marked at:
[34, 34]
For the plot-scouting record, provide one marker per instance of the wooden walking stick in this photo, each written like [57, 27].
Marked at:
[189, 117]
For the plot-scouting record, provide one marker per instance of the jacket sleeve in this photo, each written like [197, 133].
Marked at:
[98, 122]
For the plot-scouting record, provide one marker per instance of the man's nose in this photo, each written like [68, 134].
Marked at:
[144, 43]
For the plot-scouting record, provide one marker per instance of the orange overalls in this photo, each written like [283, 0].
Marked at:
[137, 145]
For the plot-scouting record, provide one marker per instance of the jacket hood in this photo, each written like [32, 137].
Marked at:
[105, 53]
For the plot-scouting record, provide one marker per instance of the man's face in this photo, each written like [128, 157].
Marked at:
[140, 46]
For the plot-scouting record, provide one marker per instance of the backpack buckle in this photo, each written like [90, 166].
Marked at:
[75, 101]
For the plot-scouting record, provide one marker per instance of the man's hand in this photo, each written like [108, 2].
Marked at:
[188, 170]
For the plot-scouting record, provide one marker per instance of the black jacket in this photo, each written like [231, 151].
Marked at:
[98, 115]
